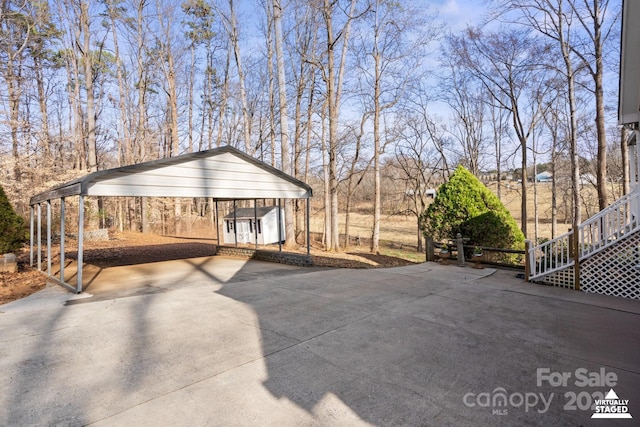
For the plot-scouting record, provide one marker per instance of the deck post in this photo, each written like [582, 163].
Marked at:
[576, 259]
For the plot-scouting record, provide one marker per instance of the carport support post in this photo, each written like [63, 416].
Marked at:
[217, 225]
[279, 227]
[62, 232]
[235, 224]
[49, 237]
[80, 241]
[39, 237]
[31, 227]
[255, 221]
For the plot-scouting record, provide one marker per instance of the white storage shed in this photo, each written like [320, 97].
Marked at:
[246, 225]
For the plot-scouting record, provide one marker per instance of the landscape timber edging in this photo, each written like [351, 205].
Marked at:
[270, 256]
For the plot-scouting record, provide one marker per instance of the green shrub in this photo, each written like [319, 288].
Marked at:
[464, 205]
[13, 232]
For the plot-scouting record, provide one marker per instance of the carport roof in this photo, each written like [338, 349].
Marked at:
[223, 173]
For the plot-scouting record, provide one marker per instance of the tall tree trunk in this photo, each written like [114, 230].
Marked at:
[334, 92]
[90, 113]
[290, 237]
[496, 122]
[333, 129]
[325, 174]
[225, 98]
[601, 169]
[125, 152]
[375, 238]
[307, 162]
[44, 111]
[523, 186]
[624, 151]
[87, 61]
[190, 100]
[167, 61]
[141, 127]
[272, 94]
[241, 80]
[554, 185]
[13, 87]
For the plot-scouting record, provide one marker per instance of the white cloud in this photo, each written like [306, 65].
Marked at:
[450, 7]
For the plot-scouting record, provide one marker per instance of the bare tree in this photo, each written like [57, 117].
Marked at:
[356, 172]
[507, 64]
[16, 30]
[230, 24]
[333, 77]
[388, 56]
[468, 104]
[284, 118]
[553, 19]
[599, 24]
[419, 164]
[499, 125]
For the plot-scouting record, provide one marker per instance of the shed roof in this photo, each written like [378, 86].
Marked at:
[223, 173]
[629, 96]
[249, 213]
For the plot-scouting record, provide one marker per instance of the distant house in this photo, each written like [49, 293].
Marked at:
[545, 176]
[588, 178]
[428, 193]
[262, 221]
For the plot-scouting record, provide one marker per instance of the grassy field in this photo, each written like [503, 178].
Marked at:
[398, 233]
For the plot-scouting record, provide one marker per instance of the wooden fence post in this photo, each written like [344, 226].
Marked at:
[431, 256]
[527, 260]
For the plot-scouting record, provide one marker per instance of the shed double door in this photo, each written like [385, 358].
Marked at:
[244, 232]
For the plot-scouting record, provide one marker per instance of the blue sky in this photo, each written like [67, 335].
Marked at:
[460, 13]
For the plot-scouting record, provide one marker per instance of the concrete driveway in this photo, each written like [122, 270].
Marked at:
[419, 345]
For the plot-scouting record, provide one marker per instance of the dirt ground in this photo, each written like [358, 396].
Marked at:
[137, 248]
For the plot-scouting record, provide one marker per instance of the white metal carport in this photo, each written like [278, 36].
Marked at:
[223, 173]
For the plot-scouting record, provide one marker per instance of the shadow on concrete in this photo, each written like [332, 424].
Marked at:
[383, 346]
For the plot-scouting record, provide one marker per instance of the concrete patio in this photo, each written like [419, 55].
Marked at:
[260, 344]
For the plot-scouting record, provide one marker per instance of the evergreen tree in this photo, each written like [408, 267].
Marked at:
[13, 232]
[464, 205]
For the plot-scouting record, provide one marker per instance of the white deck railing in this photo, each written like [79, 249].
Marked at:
[595, 234]
[550, 256]
[603, 229]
